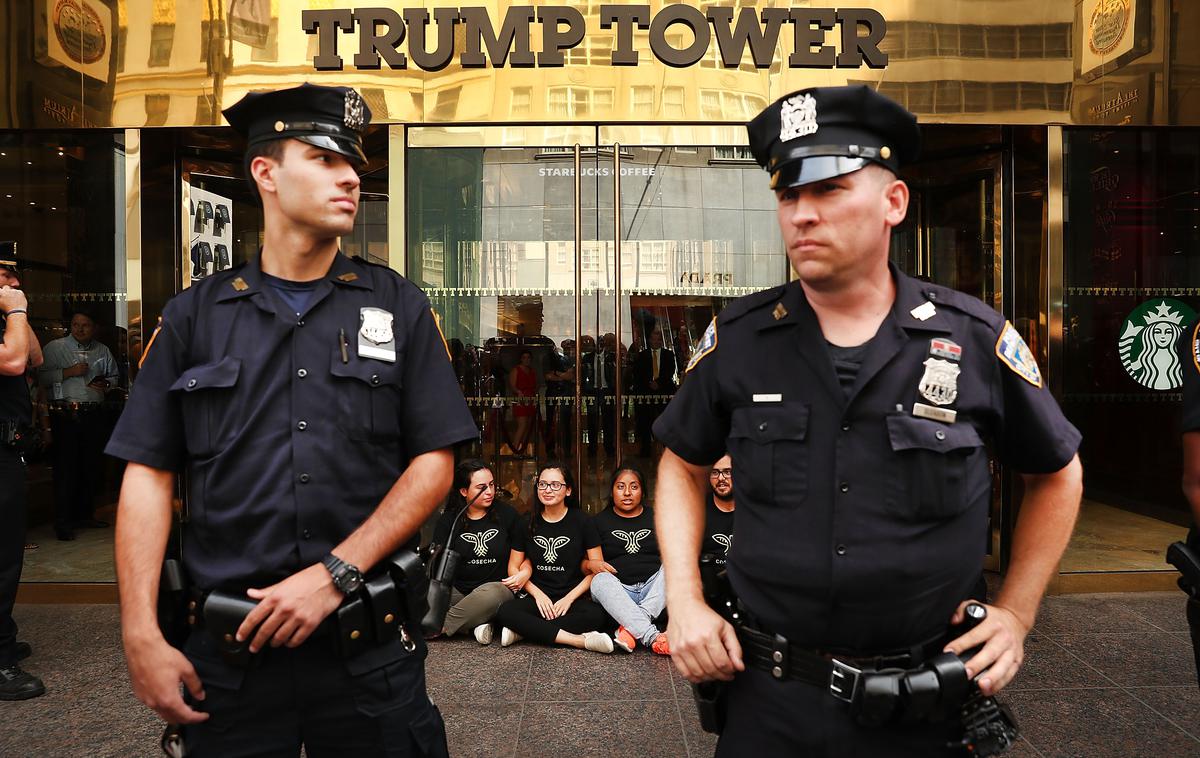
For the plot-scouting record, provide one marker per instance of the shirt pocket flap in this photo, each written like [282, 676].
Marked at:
[911, 433]
[220, 375]
[770, 423]
[371, 373]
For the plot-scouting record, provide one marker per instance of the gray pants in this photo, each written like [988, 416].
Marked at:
[633, 606]
[479, 607]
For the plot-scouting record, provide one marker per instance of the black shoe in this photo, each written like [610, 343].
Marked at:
[65, 535]
[23, 650]
[91, 523]
[17, 684]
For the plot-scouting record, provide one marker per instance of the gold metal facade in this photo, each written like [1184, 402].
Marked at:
[137, 63]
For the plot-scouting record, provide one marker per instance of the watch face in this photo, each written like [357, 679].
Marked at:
[351, 581]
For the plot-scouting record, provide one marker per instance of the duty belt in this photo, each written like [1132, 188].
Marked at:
[923, 685]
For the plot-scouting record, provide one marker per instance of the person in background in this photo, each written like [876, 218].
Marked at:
[559, 535]
[628, 581]
[718, 511]
[488, 535]
[78, 372]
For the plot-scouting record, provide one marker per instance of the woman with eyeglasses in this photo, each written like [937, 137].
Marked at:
[490, 541]
[628, 581]
[557, 610]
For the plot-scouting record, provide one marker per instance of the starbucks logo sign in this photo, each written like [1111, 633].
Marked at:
[1147, 344]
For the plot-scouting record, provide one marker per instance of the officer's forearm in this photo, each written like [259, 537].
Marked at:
[679, 521]
[414, 496]
[1191, 472]
[1043, 530]
[143, 525]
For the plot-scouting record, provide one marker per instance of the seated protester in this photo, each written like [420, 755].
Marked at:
[487, 536]
[718, 511]
[558, 536]
[629, 580]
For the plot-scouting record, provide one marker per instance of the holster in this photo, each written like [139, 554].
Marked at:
[711, 705]
[1184, 557]
[441, 579]
[408, 572]
[223, 614]
[173, 610]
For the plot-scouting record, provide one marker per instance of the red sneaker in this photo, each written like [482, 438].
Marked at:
[660, 645]
[624, 640]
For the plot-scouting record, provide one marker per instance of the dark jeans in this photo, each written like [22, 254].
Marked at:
[523, 617]
[769, 717]
[307, 695]
[79, 439]
[12, 546]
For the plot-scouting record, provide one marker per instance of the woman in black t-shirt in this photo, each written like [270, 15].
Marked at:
[559, 536]
[628, 582]
[488, 536]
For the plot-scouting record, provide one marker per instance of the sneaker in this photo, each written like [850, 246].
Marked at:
[597, 642]
[660, 644]
[483, 634]
[508, 636]
[18, 684]
[624, 640]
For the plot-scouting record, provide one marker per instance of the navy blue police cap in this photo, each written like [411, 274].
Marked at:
[332, 118]
[823, 132]
[8, 256]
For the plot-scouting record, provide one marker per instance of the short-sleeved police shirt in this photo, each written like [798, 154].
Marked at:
[483, 544]
[288, 443]
[860, 525]
[15, 404]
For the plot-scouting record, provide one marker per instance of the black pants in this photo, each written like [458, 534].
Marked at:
[12, 546]
[602, 415]
[523, 617]
[767, 717]
[308, 695]
[79, 439]
[647, 412]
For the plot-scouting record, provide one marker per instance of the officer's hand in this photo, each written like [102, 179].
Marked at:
[11, 297]
[155, 670]
[703, 645]
[591, 566]
[289, 611]
[1002, 635]
[561, 607]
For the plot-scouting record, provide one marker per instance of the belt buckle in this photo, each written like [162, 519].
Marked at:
[844, 681]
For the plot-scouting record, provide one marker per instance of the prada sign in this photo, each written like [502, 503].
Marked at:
[396, 37]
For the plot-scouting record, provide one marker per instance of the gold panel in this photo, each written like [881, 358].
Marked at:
[397, 201]
[678, 135]
[987, 61]
[501, 136]
[133, 246]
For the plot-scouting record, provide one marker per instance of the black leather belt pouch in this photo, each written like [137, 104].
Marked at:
[223, 614]
[408, 571]
[710, 704]
[384, 607]
[356, 632]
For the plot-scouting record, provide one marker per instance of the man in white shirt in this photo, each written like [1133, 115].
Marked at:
[77, 373]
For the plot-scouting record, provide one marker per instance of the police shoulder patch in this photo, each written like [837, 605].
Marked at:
[1014, 353]
[707, 344]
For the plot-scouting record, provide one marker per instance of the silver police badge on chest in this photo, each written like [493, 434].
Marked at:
[939, 385]
[375, 336]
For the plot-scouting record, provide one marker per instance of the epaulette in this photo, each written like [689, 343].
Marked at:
[964, 303]
[747, 303]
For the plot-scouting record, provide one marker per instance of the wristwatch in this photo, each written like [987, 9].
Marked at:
[346, 577]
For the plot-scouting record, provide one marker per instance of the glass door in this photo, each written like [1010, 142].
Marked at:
[953, 236]
[561, 353]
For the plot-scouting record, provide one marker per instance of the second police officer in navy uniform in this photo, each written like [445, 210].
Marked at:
[309, 400]
[856, 403]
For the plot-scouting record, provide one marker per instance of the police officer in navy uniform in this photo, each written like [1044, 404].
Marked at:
[1189, 359]
[856, 403]
[310, 402]
[19, 350]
